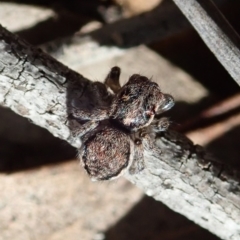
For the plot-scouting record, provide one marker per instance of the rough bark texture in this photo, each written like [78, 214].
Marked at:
[215, 31]
[36, 86]
[186, 181]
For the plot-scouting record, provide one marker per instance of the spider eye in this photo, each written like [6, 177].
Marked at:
[148, 115]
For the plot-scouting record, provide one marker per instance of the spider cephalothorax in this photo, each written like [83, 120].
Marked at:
[111, 129]
[138, 101]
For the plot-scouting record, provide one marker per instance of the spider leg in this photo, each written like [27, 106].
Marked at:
[112, 79]
[159, 125]
[148, 134]
[138, 156]
[94, 114]
[79, 130]
[144, 140]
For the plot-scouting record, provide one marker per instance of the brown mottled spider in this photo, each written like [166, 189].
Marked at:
[112, 124]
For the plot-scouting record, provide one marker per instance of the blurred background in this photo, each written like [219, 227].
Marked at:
[45, 194]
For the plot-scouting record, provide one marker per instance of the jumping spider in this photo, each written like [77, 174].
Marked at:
[112, 126]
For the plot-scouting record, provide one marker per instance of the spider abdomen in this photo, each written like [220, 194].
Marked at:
[106, 154]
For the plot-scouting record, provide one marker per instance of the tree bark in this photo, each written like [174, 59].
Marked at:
[34, 85]
[184, 177]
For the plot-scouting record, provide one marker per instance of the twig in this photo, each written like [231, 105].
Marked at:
[215, 31]
[159, 23]
[36, 86]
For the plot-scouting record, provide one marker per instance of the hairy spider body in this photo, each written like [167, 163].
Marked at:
[107, 153]
[112, 126]
[136, 103]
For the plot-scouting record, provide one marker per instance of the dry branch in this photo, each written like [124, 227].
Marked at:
[35, 86]
[215, 31]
